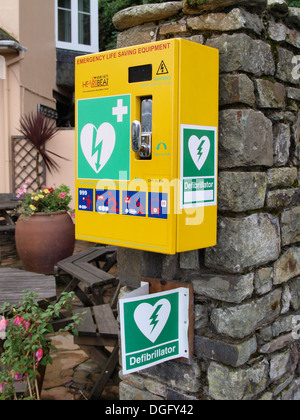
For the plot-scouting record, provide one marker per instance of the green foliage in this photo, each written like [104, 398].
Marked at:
[107, 9]
[46, 200]
[293, 3]
[38, 130]
[26, 327]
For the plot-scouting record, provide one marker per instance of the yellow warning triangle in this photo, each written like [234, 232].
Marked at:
[162, 69]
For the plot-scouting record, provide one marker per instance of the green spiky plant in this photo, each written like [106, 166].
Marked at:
[38, 130]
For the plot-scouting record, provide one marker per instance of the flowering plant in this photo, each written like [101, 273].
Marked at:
[25, 328]
[45, 200]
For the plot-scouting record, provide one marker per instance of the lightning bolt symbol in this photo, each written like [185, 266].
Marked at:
[200, 149]
[96, 150]
[154, 320]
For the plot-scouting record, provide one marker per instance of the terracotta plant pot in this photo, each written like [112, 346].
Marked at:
[44, 239]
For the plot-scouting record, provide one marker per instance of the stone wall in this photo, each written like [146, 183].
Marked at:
[247, 288]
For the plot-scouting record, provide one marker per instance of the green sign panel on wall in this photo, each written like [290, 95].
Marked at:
[154, 329]
[198, 166]
[103, 143]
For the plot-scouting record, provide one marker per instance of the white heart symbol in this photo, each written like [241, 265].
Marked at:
[199, 150]
[98, 145]
[152, 319]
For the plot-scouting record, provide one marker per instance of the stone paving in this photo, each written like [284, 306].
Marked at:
[72, 373]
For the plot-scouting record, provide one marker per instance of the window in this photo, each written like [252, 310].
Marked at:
[2, 68]
[84, 22]
[64, 21]
[77, 25]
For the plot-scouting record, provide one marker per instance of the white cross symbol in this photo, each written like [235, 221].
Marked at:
[120, 110]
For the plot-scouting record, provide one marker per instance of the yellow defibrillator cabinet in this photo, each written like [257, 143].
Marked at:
[146, 146]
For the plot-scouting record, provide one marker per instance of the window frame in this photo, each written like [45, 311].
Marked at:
[74, 45]
[2, 68]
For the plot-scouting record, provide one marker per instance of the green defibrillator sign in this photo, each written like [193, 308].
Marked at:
[103, 137]
[198, 170]
[154, 328]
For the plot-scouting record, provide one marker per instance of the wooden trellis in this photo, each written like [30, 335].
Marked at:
[24, 164]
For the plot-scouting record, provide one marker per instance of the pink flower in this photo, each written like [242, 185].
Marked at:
[62, 195]
[21, 321]
[26, 324]
[3, 324]
[2, 386]
[22, 190]
[18, 320]
[17, 376]
[39, 354]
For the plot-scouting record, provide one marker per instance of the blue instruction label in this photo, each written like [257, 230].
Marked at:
[134, 203]
[158, 205]
[85, 199]
[107, 201]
